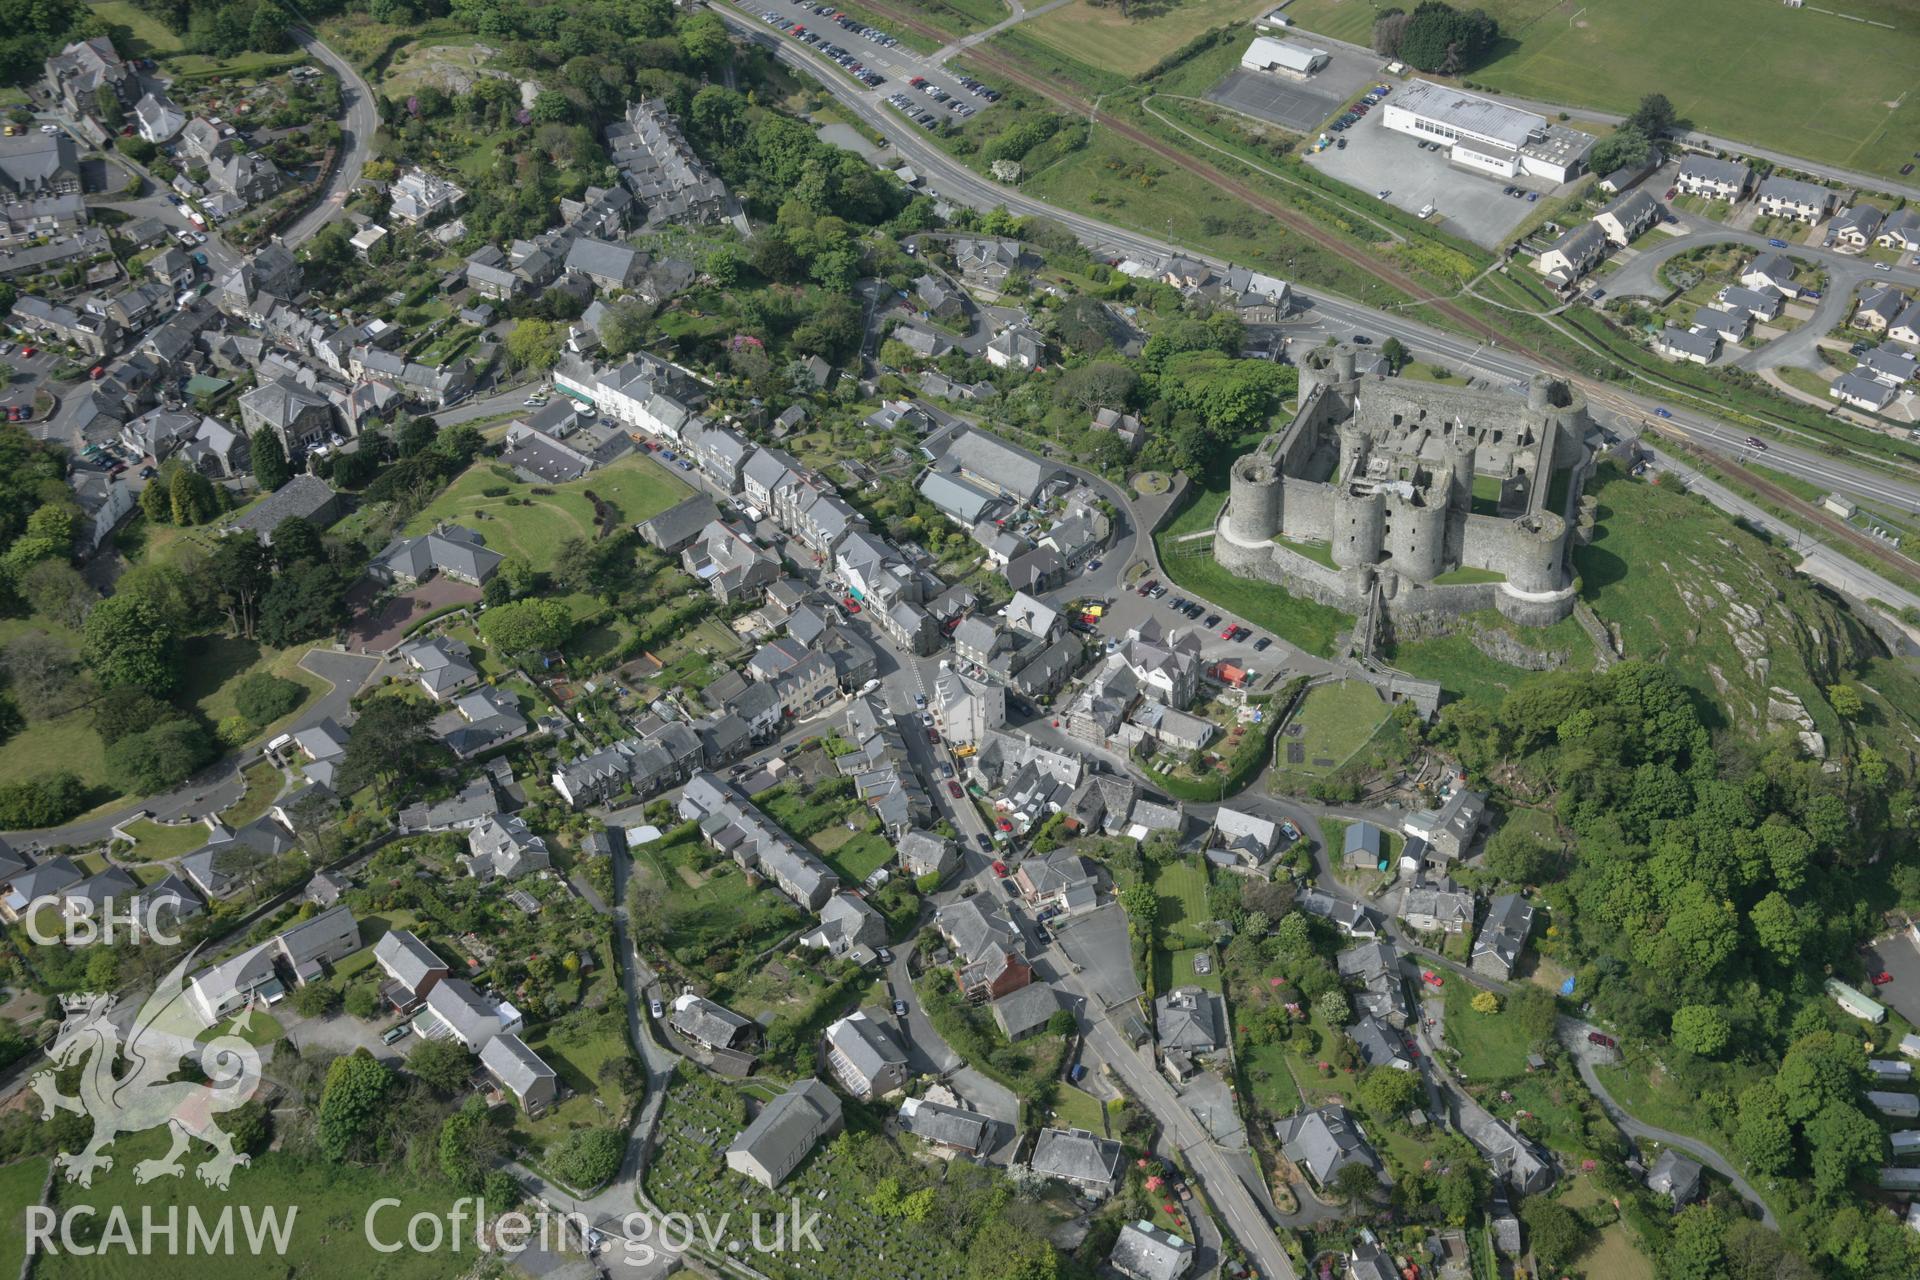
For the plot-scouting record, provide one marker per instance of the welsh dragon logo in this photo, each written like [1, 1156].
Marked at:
[167, 1029]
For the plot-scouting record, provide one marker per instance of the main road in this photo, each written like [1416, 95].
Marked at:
[957, 183]
[357, 126]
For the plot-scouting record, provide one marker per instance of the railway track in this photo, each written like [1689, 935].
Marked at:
[1597, 393]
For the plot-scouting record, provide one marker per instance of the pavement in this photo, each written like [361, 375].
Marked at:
[356, 135]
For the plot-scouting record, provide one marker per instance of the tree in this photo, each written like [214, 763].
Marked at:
[1394, 352]
[588, 1157]
[42, 673]
[1696, 1245]
[190, 496]
[250, 1126]
[624, 326]
[58, 592]
[1654, 116]
[390, 742]
[533, 343]
[1701, 1029]
[1062, 1023]
[1843, 1142]
[415, 435]
[363, 1002]
[468, 1143]
[1355, 1182]
[127, 710]
[1763, 1138]
[1556, 1232]
[1626, 148]
[269, 459]
[1819, 1069]
[442, 1065]
[1389, 1093]
[1332, 1006]
[1485, 1002]
[159, 758]
[351, 1104]
[296, 539]
[268, 30]
[241, 571]
[703, 39]
[127, 643]
[264, 697]
[316, 1000]
[1846, 701]
[1518, 855]
[307, 602]
[527, 626]
[1142, 906]
[155, 503]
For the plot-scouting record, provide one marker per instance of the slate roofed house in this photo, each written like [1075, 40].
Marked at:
[1761, 304]
[1092, 1165]
[1879, 308]
[442, 665]
[846, 922]
[674, 529]
[1576, 252]
[1906, 327]
[925, 853]
[1889, 364]
[1625, 218]
[521, 1072]
[1504, 936]
[993, 464]
[864, 1057]
[1379, 1044]
[1694, 347]
[1350, 918]
[608, 265]
[1855, 227]
[1708, 176]
[1900, 230]
[504, 848]
[1436, 906]
[1025, 1012]
[1772, 270]
[1016, 347]
[1862, 392]
[1450, 829]
[731, 566]
[1729, 326]
[785, 1132]
[453, 550]
[411, 967]
[707, 1023]
[1363, 846]
[1675, 1177]
[157, 119]
[949, 1128]
[1792, 198]
[456, 1010]
[1244, 837]
[48, 880]
[1143, 1251]
[1323, 1140]
[1191, 1019]
[418, 196]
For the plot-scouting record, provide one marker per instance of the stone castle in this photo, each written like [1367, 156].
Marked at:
[1443, 500]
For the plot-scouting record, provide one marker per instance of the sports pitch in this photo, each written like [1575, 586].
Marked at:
[1803, 81]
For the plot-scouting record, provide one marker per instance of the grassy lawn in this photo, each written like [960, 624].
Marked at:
[1076, 1109]
[153, 842]
[956, 16]
[636, 487]
[1850, 75]
[215, 664]
[1300, 621]
[1175, 969]
[1182, 886]
[200, 66]
[64, 742]
[578, 1060]
[1464, 671]
[1337, 720]
[263, 788]
[1270, 1077]
[325, 1238]
[1492, 1046]
[1106, 38]
[150, 39]
[856, 857]
[20, 1185]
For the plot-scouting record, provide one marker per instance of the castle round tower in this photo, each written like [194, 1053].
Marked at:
[1254, 493]
[1359, 523]
[1417, 543]
[1534, 552]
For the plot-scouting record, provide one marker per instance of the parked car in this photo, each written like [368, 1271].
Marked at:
[656, 1008]
[1000, 869]
[1604, 1041]
[986, 845]
[900, 1010]
[883, 955]
[1777, 244]
[1260, 645]
[396, 1033]
[1078, 1073]
[1882, 978]
[953, 789]
[1432, 979]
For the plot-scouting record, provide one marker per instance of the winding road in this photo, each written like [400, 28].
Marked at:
[356, 137]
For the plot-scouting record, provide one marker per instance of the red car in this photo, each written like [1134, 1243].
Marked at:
[27, 353]
[953, 789]
[1228, 633]
[1605, 1042]
[1672, 192]
[1000, 869]
[1882, 979]
[853, 606]
[933, 735]
[1432, 979]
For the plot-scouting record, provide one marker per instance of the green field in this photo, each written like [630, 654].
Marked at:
[1804, 81]
[215, 664]
[637, 487]
[327, 1205]
[20, 1185]
[1182, 886]
[1105, 38]
[153, 842]
[64, 742]
[1466, 672]
[150, 39]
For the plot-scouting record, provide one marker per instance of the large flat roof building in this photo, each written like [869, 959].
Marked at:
[1494, 137]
